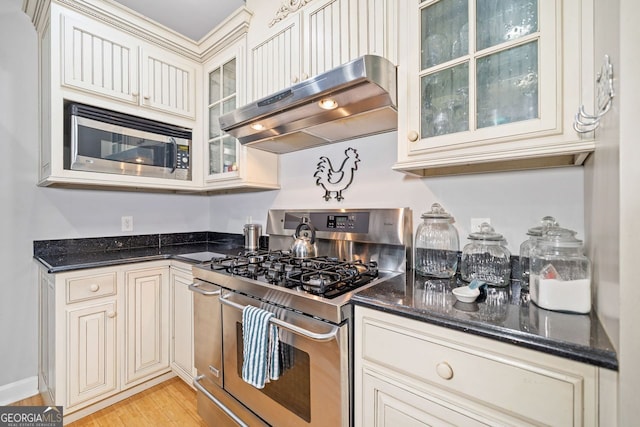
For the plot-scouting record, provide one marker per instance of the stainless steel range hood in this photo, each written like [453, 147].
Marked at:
[364, 92]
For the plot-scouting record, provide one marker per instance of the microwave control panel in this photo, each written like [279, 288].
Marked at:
[182, 162]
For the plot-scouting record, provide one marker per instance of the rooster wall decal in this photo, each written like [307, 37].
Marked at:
[336, 180]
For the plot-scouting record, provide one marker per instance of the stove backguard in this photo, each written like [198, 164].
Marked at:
[380, 235]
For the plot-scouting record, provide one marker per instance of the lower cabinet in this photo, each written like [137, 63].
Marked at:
[411, 373]
[104, 334]
[182, 356]
[146, 345]
[92, 358]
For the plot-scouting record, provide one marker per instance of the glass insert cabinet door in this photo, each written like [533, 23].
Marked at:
[223, 156]
[480, 64]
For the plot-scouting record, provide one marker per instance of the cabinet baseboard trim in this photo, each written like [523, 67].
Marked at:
[18, 390]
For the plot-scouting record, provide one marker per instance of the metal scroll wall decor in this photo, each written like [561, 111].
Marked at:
[335, 181]
[585, 122]
[287, 7]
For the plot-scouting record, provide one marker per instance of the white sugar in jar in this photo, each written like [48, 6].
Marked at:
[560, 273]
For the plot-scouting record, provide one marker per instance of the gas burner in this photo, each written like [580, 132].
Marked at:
[318, 282]
[323, 275]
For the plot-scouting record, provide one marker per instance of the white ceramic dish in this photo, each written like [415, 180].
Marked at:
[466, 294]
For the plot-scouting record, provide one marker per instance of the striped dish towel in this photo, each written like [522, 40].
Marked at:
[260, 347]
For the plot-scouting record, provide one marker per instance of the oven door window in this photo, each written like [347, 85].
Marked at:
[293, 389]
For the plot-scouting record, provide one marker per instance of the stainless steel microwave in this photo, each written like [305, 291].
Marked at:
[99, 140]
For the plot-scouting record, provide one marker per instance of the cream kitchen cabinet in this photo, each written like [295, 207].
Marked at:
[413, 373]
[106, 61]
[93, 362]
[486, 86]
[182, 357]
[292, 41]
[100, 55]
[227, 162]
[146, 345]
[104, 335]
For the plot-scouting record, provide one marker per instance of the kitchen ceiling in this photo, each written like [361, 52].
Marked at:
[191, 18]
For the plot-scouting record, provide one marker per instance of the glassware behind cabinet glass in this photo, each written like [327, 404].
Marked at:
[444, 91]
[437, 244]
[445, 100]
[498, 21]
[499, 47]
[508, 86]
[441, 25]
[486, 258]
[222, 99]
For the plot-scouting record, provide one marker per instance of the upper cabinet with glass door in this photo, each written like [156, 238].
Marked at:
[227, 163]
[493, 85]
[222, 99]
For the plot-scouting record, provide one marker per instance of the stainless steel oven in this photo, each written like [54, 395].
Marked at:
[310, 302]
[99, 140]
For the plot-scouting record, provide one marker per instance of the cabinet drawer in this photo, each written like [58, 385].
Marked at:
[495, 380]
[89, 287]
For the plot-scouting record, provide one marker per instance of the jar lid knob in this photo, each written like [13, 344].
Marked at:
[486, 232]
[546, 223]
[437, 211]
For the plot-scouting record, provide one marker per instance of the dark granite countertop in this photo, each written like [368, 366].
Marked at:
[503, 314]
[75, 254]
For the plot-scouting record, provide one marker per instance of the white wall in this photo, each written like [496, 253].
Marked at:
[514, 201]
[30, 213]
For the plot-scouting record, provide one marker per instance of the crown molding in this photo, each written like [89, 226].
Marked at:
[136, 24]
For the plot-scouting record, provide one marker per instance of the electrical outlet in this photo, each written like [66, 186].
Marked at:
[476, 222]
[127, 223]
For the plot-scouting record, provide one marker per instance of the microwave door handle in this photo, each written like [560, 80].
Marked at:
[174, 143]
[288, 326]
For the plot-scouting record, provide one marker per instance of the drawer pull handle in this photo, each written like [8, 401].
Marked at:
[111, 314]
[444, 370]
[94, 287]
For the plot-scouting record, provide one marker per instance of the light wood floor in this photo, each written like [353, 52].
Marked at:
[172, 403]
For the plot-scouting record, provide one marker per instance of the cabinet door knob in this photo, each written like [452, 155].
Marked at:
[444, 370]
[305, 76]
[294, 79]
[111, 314]
[94, 287]
[413, 136]
[135, 94]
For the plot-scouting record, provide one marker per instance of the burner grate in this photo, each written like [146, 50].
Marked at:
[325, 276]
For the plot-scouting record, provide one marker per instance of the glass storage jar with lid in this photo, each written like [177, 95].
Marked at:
[486, 258]
[437, 244]
[534, 233]
[560, 272]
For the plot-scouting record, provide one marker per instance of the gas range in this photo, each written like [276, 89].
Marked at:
[306, 289]
[319, 287]
[357, 248]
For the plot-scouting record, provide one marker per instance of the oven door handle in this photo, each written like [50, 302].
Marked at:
[195, 288]
[212, 398]
[288, 326]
